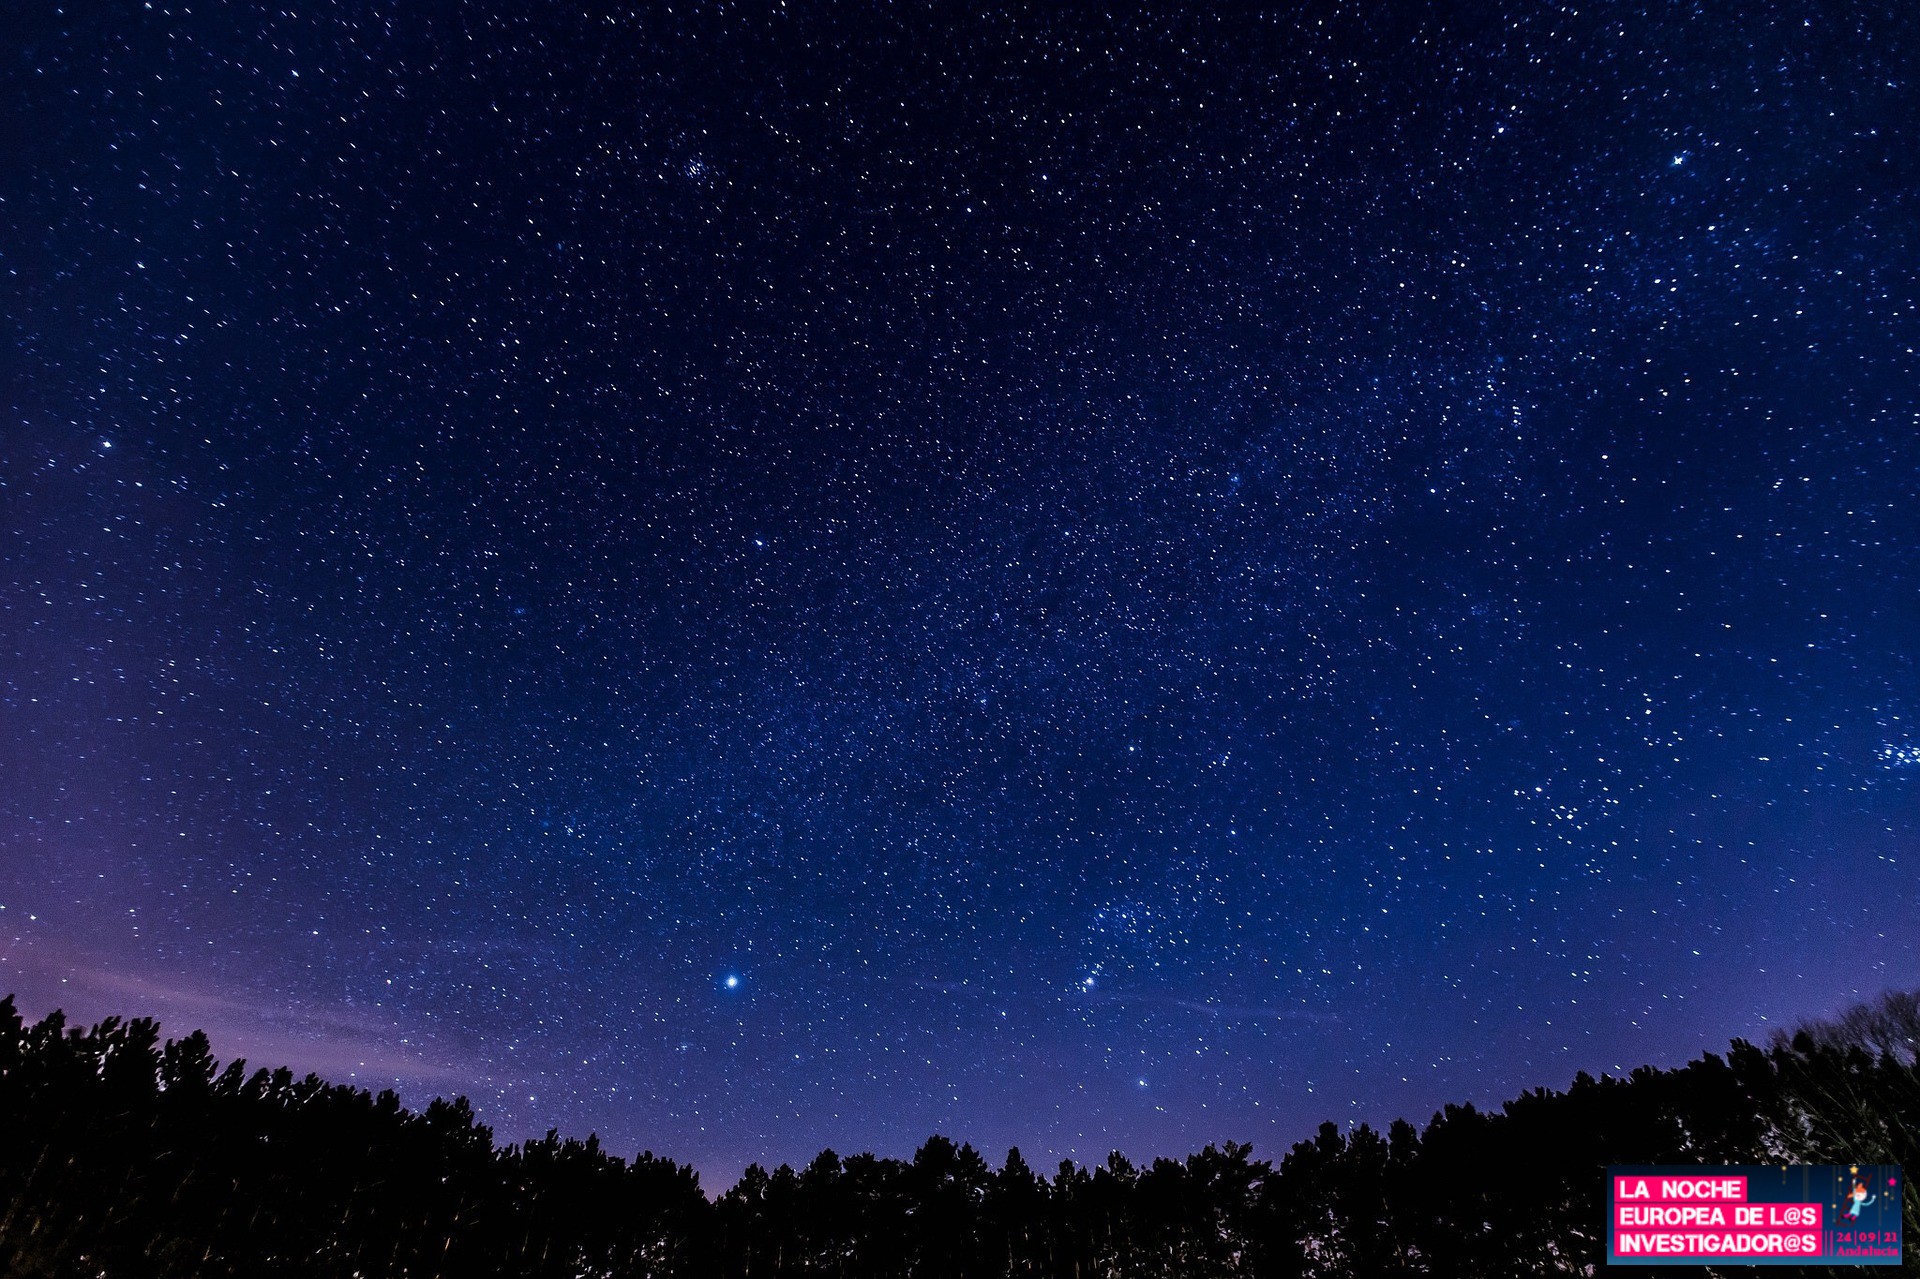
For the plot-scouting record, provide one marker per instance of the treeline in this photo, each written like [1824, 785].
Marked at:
[121, 1155]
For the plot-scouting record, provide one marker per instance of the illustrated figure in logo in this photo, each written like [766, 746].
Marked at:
[1860, 1199]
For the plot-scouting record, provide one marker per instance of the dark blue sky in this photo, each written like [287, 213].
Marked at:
[757, 577]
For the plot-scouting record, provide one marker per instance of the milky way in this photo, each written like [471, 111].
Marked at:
[760, 577]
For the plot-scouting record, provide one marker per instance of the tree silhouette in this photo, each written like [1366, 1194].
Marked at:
[128, 1156]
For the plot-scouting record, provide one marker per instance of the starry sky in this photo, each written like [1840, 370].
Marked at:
[760, 576]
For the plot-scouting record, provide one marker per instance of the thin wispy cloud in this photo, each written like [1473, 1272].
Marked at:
[337, 1041]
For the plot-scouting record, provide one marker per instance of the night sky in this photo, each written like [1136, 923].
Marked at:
[751, 577]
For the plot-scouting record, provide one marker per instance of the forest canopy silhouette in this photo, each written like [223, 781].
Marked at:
[127, 1155]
